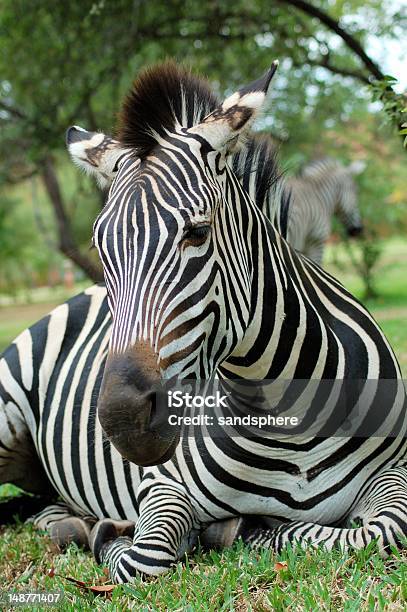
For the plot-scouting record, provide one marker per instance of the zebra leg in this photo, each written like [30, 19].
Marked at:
[222, 534]
[382, 511]
[162, 535]
[63, 526]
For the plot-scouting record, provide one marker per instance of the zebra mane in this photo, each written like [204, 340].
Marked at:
[163, 97]
[317, 168]
[256, 166]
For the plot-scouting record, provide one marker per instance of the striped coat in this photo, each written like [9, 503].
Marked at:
[200, 282]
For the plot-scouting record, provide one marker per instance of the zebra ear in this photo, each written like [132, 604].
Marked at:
[227, 125]
[95, 153]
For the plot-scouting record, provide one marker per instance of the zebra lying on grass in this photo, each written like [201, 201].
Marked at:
[323, 188]
[199, 282]
[51, 442]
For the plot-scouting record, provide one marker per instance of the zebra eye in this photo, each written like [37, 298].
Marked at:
[196, 234]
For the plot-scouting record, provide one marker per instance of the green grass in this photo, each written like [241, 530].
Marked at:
[238, 579]
[9, 331]
[9, 490]
[390, 274]
[396, 331]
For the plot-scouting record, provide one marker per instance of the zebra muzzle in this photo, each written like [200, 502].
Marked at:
[355, 231]
[133, 412]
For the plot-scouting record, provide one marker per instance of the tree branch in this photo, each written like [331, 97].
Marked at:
[13, 111]
[334, 25]
[66, 241]
[393, 103]
[324, 62]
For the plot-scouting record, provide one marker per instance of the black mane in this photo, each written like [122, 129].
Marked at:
[256, 166]
[162, 97]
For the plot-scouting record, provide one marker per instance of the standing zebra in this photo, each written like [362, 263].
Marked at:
[201, 283]
[322, 189]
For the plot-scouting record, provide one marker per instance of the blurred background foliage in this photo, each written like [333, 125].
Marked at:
[71, 62]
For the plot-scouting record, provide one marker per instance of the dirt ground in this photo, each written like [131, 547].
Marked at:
[25, 312]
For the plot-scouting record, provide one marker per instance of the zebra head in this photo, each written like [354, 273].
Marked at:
[347, 207]
[174, 239]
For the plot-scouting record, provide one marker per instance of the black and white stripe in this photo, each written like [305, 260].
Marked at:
[49, 434]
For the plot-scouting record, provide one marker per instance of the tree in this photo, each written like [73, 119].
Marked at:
[394, 104]
[64, 63]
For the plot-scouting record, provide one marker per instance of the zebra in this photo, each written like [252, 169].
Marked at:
[74, 340]
[51, 443]
[200, 283]
[323, 188]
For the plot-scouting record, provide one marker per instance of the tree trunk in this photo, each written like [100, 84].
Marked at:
[66, 243]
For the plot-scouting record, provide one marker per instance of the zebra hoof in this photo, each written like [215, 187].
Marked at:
[69, 530]
[221, 534]
[106, 531]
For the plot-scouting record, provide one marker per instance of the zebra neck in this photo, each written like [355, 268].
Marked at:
[266, 350]
[313, 196]
[328, 193]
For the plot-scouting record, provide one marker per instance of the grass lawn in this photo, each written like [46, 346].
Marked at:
[14, 319]
[16, 314]
[237, 579]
